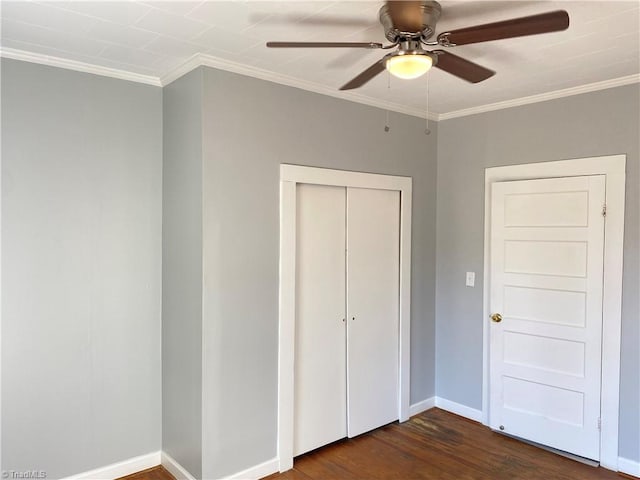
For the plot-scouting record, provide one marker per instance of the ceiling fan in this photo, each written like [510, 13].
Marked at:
[409, 25]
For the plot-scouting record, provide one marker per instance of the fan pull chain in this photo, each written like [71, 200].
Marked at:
[426, 130]
[386, 125]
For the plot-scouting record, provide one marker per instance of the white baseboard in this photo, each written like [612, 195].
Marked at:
[256, 472]
[422, 406]
[252, 473]
[174, 468]
[459, 409]
[448, 405]
[120, 469]
[630, 467]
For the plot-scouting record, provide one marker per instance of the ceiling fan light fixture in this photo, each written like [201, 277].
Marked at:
[409, 66]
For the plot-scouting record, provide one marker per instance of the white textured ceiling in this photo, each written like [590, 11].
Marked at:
[156, 37]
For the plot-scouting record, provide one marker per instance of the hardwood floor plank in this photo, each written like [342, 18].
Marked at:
[292, 474]
[154, 473]
[437, 445]
[432, 450]
[367, 457]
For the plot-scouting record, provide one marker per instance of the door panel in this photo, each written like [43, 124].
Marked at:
[547, 239]
[373, 253]
[524, 349]
[561, 307]
[549, 209]
[545, 257]
[557, 405]
[320, 415]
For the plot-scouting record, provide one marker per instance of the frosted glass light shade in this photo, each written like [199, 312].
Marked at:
[409, 66]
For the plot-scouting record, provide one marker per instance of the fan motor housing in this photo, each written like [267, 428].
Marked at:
[431, 11]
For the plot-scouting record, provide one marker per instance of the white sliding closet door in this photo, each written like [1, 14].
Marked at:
[320, 415]
[373, 254]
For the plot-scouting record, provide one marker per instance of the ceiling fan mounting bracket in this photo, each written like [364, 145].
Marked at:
[413, 47]
[443, 40]
[430, 10]
[410, 45]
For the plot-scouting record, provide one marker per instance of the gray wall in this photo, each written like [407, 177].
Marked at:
[599, 123]
[250, 128]
[81, 250]
[82, 193]
[182, 272]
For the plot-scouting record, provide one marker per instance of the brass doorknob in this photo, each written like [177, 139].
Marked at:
[496, 317]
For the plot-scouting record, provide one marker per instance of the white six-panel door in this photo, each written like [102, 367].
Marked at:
[346, 362]
[373, 256]
[547, 239]
[320, 348]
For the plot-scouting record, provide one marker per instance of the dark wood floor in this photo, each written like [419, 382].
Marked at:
[437, 445]
[154, 473]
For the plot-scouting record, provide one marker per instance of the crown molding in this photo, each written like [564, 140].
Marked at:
[199, 60]
[262, 74]
[543, 97]
[174, 74]
[78, 66]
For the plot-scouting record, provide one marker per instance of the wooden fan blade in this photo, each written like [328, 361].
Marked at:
[365, 76]
[324, 45]
[458, 66]
[405, 15]
[516, 27]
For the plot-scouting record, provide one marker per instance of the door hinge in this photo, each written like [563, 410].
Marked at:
[599, 423]
[604, 210]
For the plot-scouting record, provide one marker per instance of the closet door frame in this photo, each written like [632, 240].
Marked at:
[290, 176]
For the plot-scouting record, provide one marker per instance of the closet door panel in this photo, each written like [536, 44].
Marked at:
[373, 253]
[320, 351]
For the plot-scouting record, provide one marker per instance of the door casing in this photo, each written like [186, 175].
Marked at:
[290, 176]
[613, 167]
